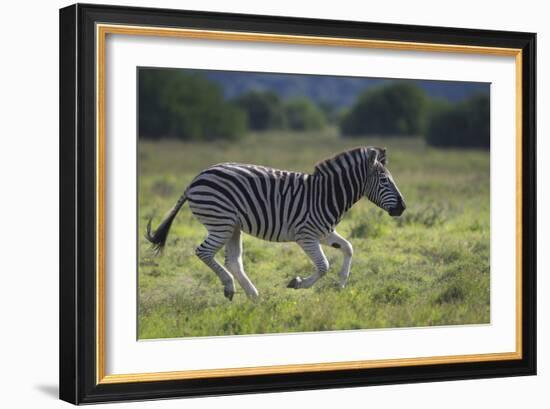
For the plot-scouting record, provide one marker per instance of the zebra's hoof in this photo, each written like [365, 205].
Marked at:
[295, 283]
[229, 293]
[253, 295]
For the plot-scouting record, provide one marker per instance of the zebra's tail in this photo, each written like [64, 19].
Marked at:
[158, 237]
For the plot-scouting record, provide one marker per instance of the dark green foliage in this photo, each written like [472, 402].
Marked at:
[466, 124]
[392, 293]
[181, 105]
[397, 109]
[264, 110]
[331, 111]
[303, 115]
[452, 294]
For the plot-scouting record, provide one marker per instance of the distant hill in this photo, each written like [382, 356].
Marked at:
[339, 91]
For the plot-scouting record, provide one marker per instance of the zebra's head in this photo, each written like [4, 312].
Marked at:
[381, 188]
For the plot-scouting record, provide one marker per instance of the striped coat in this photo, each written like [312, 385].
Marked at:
[282, 206]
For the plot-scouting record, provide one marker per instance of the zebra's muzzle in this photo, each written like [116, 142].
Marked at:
[397, 210]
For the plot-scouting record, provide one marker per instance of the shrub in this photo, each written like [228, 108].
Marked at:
[304, 115]
[176, 104]
[466, 124]
[452, 294]
[397, 109]
[392, 294]
[331, 112]
[264, 110]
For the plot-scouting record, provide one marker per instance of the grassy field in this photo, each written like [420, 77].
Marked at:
[428, 267]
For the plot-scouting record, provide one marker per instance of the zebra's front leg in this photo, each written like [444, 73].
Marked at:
[206, 252]
[312, 247]
[234, 263]
[338, 242]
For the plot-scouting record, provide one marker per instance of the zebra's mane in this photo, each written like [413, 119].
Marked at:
[355, 152]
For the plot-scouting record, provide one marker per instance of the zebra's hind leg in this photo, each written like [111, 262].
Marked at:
[234, 263]
[206, 252]
[338, 242]
[312, 247]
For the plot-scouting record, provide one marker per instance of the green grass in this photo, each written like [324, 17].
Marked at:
[428, 267]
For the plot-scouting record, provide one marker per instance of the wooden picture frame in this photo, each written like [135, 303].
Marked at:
[83, 29]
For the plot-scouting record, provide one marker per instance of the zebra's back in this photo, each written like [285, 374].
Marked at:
[265, 202]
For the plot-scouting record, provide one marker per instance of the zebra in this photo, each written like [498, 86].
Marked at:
[282, 206]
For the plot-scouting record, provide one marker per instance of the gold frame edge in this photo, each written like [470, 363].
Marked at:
[101, 32]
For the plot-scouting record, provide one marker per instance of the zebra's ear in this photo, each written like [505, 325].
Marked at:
[382, 157]
[372, 156]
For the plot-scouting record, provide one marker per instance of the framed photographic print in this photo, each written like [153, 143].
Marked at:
[258, 203]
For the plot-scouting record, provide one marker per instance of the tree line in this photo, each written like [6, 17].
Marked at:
[187, 106]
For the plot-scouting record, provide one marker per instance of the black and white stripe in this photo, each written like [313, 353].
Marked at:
[282, 206]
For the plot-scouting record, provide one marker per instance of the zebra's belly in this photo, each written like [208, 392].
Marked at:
[276, 233]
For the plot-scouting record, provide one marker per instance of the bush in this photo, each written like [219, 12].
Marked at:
[392, 294]
[466, 124]
[304, 115]
[452, 294]
[263, 109]
[331, 112]
[397, 109]
[184, 105]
